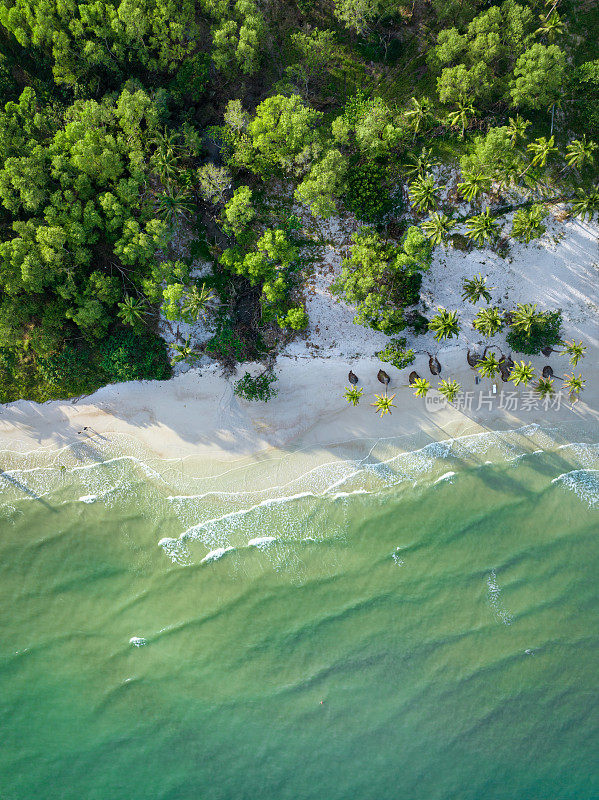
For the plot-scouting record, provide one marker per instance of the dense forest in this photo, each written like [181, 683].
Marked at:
[129, 125]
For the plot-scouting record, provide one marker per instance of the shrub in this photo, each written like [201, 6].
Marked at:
[367, 195]
[395, 353]
[544, 332]
[130, 356]
[296, 319]
[225, 345]
[256, 388]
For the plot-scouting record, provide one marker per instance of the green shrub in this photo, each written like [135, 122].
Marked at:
[130, 356]
[544, 332]
[396, 353]
[367, 194]
[256, 388]
[225, 345]
[296, 319]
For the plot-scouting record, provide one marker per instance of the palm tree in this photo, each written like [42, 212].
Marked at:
[545, 387]
[421, 385]
[488, 366]
[482, 227]
[517, 129]
[165, 158]
[419, 114]
[352, 395]
[528, 223]
[541, 148]
[461, 117]
[174, 204]
[523, 318]
[575, 385]
[419, 165]
[449, 389]
[195, 303]
[383, 403]
[474, 184]
[184, 352]
[522, 373]
[444, 324]
[575, 350]
[438, 227]
[488, 321]
[580, 151]
[551, 25]
[475, 288]
[131, 311]
[423, 193]
[586, 204]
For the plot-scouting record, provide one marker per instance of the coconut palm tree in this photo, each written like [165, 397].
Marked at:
[131, 311]
[419, 164]
[575, 350]
[437, 227]
[586, 204]
[541, 149]
[488, 366]
[352, 395]
[449, 389]
[551, 25]
[482, 227]
[524, 317]
[579, 151]
[528, 223]
[488, 321]
[174, 204]
[445, 324]
[522, 373]
[421, 385]
[475, 288]
[419, 114]
[474, 184]
[575, 385]
[195, 303]
[184, 352]
[517, 129]
[461, 116]
[165, 157]
[544, 387]
[383, 403]
[423, 193]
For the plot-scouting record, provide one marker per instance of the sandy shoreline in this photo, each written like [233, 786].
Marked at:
[197, 414]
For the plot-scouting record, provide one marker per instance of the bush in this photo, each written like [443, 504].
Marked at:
[395, 353]
[130, 356]
[225, 345]
[296, 319]
[367, 195]
[256, 388]
[544, 332]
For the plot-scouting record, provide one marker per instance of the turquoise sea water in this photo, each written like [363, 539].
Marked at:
[357, 623]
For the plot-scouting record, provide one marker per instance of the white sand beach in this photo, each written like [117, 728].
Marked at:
[197, 414]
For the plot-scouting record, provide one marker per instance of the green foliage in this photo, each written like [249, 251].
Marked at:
[296, 319]
[397, 354]
[130, 356]
[382, 279]
[543, 331]
[445, 324]
[213, 182]
[326, 181]
[539, 76]
[367, 194]
[239, 212]
[528, 223]
[259, 387]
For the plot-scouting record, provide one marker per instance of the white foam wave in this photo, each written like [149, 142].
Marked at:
[262, 541]
[214, 555]
[495, 599]
[447, 476]
[138, 641]
[583, 482]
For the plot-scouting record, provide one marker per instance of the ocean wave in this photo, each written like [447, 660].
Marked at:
[214, 555]
[583, 482]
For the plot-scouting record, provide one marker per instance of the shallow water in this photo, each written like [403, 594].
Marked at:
[361, 624]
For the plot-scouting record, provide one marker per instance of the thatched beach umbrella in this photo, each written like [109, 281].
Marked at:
[352, 378]
[434, 365]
